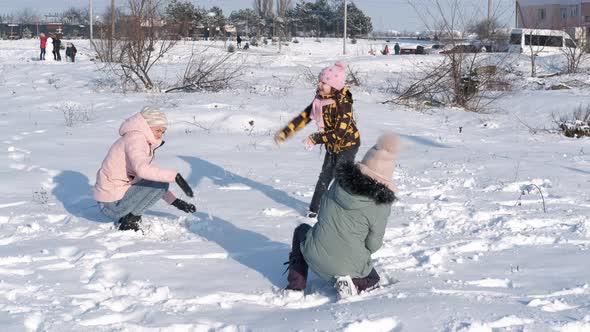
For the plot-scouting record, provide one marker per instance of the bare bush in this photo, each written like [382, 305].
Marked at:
[574, 57]
[131, 53]
[75, 113]
[576, 124]
[354, 77]
[205, 72]
[456, 79]
[472, 84]
[308, 76]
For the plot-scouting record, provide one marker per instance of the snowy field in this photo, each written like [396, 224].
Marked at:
[471, 253]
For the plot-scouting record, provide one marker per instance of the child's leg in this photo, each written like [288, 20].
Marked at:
[331, 161]
[298, 268]
[140, 197]
[326, 176]
[367, 282]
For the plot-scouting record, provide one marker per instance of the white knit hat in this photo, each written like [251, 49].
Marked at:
[379, 161]
[154, 117]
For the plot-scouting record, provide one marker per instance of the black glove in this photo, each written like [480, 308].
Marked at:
[183, 185]
[184, 206]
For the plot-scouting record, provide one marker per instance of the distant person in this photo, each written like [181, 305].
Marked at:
[43, 44]
[127, 183]
[56, 48]
[385, 50]
[239, 40]
[396, 48]
[246, 46]
[71, 52]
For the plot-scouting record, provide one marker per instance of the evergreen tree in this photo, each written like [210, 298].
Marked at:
[180, 12]
[245, 18]
[358, 24]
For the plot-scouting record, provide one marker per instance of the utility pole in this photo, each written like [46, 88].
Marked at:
[345, 28]
[280, 19]
[517, 11]
[91, 20]
[112, 34]
[112, 18]
[489, 18]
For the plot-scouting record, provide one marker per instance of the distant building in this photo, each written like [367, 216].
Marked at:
[573, 16]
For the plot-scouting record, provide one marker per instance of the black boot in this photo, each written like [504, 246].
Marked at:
[297, 276]
[129, 222]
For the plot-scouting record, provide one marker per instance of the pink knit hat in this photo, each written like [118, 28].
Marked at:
[379, 161]
[334, 76]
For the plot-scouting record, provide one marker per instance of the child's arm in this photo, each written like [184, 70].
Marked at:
[342, 124]
[296, 124]
[374, 239]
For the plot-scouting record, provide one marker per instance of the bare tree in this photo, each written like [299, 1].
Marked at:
[27, 16]
[282, 6]
[138, 45]
[74, 15]
[449, 20]
[264, 8]
[574, 56]
[463, 77]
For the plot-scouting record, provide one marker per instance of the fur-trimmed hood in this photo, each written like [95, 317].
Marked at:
[350, 178]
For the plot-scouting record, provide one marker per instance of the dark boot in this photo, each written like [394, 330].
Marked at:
[298, 269]
[367, 283]
[129, 222]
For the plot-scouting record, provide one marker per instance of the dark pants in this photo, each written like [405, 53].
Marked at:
[56, 55]
[331, 161]
[298, 268]
[42, 55]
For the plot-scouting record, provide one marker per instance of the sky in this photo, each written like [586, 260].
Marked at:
[386, 14]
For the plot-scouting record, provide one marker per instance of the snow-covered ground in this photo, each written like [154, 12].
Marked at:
[471, 252]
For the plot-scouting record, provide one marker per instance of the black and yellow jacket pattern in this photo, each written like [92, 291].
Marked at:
[340, 131]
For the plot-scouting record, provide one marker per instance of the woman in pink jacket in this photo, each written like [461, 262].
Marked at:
[127, 183]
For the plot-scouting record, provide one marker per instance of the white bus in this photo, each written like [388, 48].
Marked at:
[539, 41]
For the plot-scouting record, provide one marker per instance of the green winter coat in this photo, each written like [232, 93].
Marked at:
[351, 224]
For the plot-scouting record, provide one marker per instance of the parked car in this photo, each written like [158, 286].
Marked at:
[434, 48]
[407, 50]
[463, 49]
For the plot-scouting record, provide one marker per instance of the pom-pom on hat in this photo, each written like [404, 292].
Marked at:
[154, 117]
[334, 76]
[379, 162]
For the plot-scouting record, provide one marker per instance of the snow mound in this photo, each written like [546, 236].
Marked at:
[377, 325]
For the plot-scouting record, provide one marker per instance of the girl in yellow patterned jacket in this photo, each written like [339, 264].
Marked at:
[331, 109]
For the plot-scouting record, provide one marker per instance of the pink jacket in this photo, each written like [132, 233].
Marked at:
[129, 161]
